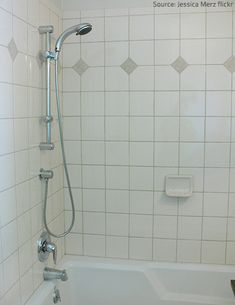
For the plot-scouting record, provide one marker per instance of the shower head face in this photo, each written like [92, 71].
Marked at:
[84, 28]
[78, 29]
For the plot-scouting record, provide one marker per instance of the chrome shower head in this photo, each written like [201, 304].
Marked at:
[78, 29]
[84, 28]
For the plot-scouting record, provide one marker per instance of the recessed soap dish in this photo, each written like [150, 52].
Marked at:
[179, 186]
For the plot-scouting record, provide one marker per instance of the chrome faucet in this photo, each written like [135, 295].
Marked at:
[50, 274]
[50, 247]
[45, 247]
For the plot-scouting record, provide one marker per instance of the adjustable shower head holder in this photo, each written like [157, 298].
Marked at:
[46, 174]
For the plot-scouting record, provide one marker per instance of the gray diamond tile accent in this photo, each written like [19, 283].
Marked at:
[179, 64]
[80, 67]
[129, 65]
[12, 48]
[230, 64]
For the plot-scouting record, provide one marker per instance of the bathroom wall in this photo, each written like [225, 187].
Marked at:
[22, 104]
[149, 93]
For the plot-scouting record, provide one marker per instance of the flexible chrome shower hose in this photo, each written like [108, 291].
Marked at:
[64, 163]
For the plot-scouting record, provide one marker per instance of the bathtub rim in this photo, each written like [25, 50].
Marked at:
[138, 265]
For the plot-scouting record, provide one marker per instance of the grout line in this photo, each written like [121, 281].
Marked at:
[149, 237]
[154, 13]
[204, 154]
[230, 151]
[145, 214]
[149, 190]
[179, 135]
[158, 90]
[105, 143]
[164, 65]
[144, 40]
[15, 174]
[144, 166]
[136, 116]
[154, 136]
[81, 152]
[148, 141]
[129, 136]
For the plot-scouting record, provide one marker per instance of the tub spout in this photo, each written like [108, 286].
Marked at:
[50, 274]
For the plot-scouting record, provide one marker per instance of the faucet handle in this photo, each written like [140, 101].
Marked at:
[54, 253]
[45, 247]
[51, 248]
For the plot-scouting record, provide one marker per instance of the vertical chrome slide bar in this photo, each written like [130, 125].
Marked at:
[48, 108]
[48, 30]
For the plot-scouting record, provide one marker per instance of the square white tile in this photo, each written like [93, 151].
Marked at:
[137, 31]
[141, 202]
[141, 153]
[141, 225]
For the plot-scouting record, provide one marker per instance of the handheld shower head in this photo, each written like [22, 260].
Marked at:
[84, 28]
[78, 29]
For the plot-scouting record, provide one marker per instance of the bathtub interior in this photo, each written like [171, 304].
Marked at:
[109, 285]
[206, 284]
[94, 282]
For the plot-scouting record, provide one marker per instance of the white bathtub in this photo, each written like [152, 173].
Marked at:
[114, 282]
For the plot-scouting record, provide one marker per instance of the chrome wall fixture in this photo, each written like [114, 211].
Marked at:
[46, 174]
[48, 55]
[56, 296]
[51, 274]
[45, 247]
[45, 55]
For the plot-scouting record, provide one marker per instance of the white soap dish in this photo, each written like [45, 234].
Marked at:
[179, 186]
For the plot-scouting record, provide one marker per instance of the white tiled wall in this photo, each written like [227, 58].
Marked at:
[172, 113]
[22, 101]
